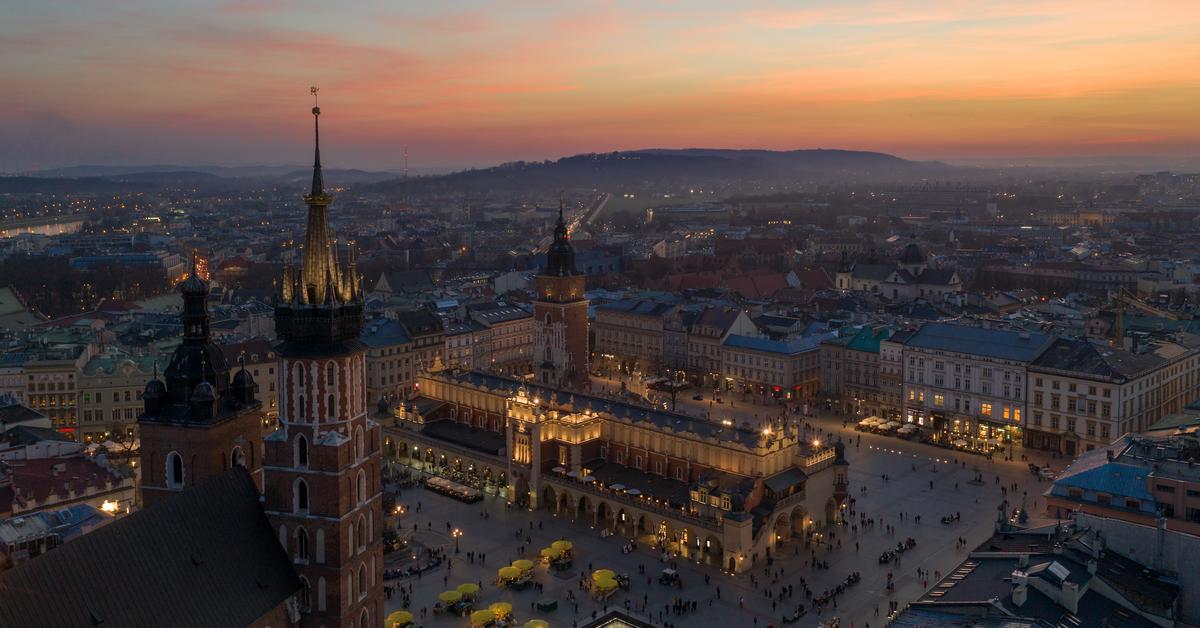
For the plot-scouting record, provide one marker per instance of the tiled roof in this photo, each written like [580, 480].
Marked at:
[383, 333]
[1087, 359]
[784, 347]
[205, 557]
[993, 343]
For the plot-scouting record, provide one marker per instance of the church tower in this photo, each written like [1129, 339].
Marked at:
[322, 464]
[560, 317]
[201, 421]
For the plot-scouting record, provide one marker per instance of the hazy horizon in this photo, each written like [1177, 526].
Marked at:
[476, 84]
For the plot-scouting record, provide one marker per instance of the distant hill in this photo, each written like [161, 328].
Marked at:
[699, 166]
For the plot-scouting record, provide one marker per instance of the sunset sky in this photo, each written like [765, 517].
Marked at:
[475, 83]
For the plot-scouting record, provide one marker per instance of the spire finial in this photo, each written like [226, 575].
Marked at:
[318, 185]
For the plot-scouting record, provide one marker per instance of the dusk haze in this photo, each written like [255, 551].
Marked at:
[600, 314]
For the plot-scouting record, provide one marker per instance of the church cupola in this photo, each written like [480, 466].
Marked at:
[560, 258]
[195, 307]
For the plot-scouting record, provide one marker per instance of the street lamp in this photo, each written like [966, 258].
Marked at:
[456, 534]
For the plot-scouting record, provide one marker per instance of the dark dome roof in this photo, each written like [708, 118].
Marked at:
[243, 379]
[194, 285]
[155, 389]
[912, 254]
[204, 392]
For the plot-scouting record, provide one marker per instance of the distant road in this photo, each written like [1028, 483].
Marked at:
[597, 206]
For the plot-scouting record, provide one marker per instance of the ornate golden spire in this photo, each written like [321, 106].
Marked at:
[318, 263]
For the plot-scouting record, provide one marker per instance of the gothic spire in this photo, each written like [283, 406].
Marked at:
[318, 184]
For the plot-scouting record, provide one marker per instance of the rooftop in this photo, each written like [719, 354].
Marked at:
[205, 557]
[1000, 344]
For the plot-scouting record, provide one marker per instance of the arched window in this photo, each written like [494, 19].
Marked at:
[321, 593]
[359, 446]
[320, 553]
[331, 407]
[361, 532]
[300, 409]
[305, 595]
[364, 620]
[237, 458]
[362, 486]
[301, 451]
[174, 470]
[283, 536]
[362, 583]
[350, 538]
[301, 544]
[329, 374]
[300, 496]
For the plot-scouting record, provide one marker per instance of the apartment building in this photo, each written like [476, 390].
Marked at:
[967, 384]
[1083, 394]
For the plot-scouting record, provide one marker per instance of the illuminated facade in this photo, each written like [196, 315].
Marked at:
[714, 492]
[560, 317]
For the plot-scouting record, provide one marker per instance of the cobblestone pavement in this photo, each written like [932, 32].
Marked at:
[921, 480]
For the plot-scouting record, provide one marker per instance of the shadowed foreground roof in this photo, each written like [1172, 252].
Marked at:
[206, 557]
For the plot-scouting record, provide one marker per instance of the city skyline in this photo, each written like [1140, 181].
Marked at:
[219, 82]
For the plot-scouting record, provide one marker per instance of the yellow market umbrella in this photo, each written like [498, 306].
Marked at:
[482, 618]
[605, 584]
[603, 574]
[500, 609]
[508, 573]
[561, 546]
[398, 619]
[468, 589]
[523, 564]
[450, 597]
[537, 623]
[549, 552]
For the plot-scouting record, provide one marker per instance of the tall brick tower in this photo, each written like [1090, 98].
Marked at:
[322, 465]
[560, 316]
[201, 421]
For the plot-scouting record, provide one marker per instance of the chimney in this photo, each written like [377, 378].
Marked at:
[1109, 454]
[1019, 594]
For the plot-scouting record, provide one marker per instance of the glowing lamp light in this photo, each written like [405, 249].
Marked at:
[110, 506]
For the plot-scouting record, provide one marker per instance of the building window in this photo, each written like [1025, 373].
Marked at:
[303, 597]
[300, 497]
[237, 458]
[174, 470]
[985, 409]
[362, 586]
[301, 545]
[362, 486]
[301, 451]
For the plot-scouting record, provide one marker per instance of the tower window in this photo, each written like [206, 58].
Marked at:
[331, 407]
[300, 497]
[301, 451]
[304, 595]
[301, 544]
[362, 586]
[174, 470]
[237, 458]
[362, 486]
